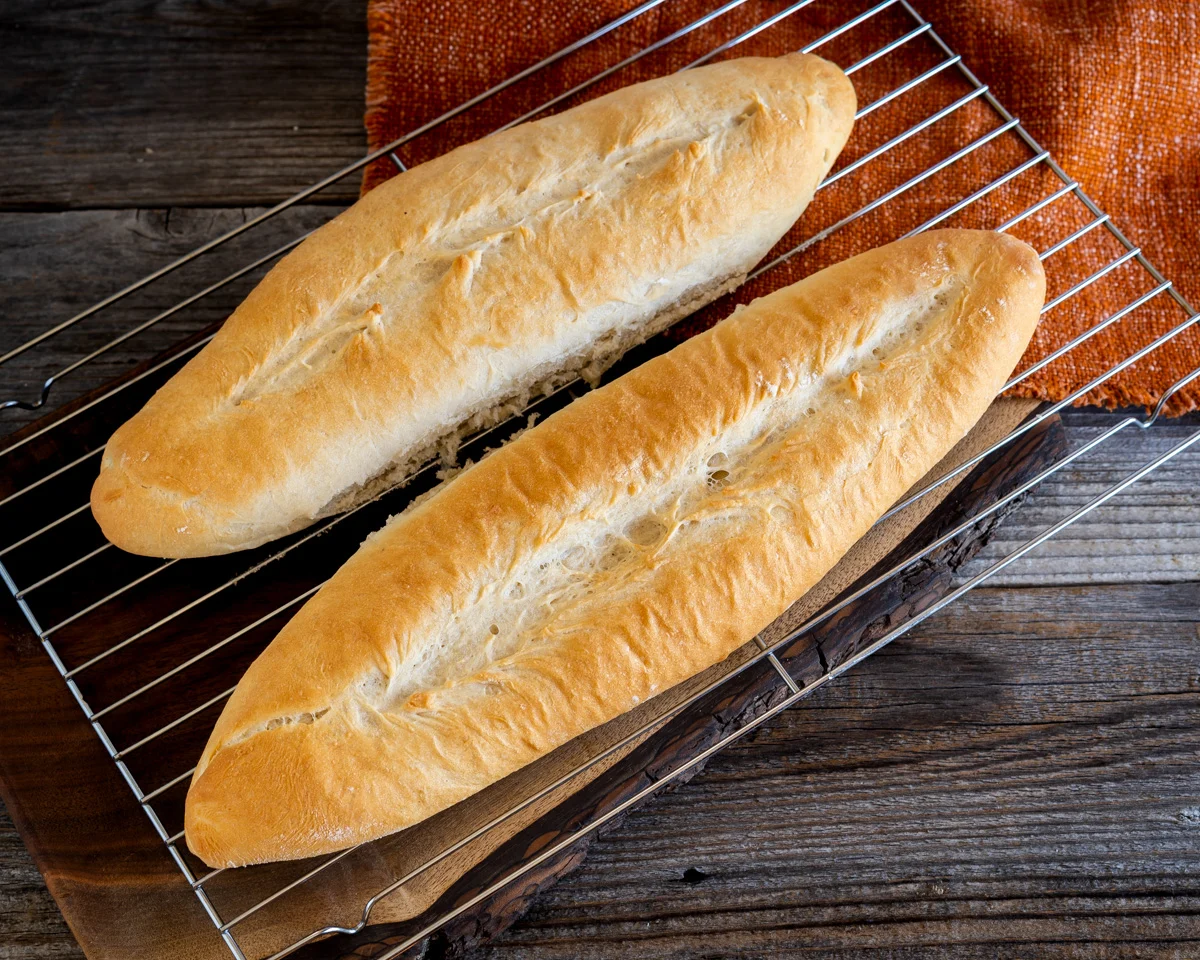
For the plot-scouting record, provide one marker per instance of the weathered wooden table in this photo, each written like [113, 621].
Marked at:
[1019, 777]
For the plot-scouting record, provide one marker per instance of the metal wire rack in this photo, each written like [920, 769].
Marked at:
[69, 603]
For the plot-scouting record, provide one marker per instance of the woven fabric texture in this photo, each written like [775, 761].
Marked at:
[1110, 87]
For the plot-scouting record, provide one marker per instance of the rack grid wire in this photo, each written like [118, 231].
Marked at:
[73, 612]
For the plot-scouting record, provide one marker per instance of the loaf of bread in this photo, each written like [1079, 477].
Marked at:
[631, 540]
[445, 298]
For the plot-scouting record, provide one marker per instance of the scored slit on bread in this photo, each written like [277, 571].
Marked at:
[460, 288]
[631, 540]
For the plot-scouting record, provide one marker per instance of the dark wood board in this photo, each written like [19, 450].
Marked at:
[97, 866]
[93, 845]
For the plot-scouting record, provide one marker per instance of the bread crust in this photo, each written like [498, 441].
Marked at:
[463, 283]
[827, 400]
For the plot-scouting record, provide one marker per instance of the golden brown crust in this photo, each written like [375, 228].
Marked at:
[459, 284]
[827, 400]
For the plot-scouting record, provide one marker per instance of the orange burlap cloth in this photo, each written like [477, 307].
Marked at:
[1110, 87]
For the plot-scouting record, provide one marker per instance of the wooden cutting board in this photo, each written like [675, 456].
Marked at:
[123, 895]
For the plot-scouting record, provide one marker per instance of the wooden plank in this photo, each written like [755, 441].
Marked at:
[1149, 533]
[123, 103]
[97, 253]
[95, 848]
[31, 925]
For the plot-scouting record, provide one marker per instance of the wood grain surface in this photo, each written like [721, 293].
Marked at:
[982, 809]
[145, 103]
[1016, 778]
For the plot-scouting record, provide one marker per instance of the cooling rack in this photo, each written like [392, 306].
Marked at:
[132, 674]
